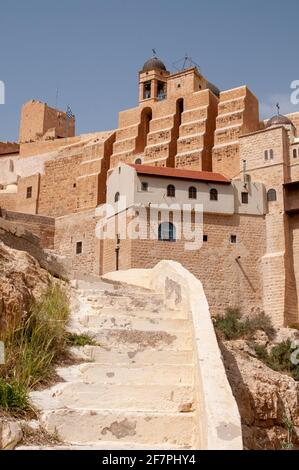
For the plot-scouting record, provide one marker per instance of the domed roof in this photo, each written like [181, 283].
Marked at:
[153, 64]
[279, 120]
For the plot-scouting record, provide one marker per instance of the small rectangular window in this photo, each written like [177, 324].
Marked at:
[144, 186]
[295, 153]
[266, 154]
[205, 238]
[271, 154]
[233, 238]
[244, 198]
[78, 248]
[29, 192]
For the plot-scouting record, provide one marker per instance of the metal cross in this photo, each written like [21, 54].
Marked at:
[278, 108]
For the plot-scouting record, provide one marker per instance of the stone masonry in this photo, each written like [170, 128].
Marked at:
[183, 122]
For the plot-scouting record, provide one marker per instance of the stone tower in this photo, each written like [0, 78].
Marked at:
[266, 153]
[174, 122]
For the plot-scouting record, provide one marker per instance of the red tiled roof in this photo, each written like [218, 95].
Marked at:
[208, 176]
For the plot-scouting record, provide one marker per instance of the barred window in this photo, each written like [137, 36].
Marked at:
[192, 192]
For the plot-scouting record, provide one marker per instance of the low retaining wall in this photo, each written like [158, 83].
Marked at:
[35, 238]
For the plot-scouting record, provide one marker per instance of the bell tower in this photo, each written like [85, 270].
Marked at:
[153, 80]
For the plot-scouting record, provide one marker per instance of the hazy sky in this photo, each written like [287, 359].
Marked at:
[92, 50]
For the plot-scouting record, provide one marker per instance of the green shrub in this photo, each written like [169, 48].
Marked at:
[230, 324]
[261, 352]
[279, 358]
[233, 326]
[74, 339]
[13, 397]
[36, 343]
[259, 321]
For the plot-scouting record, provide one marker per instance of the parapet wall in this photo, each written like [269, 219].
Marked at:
[38, 121]
[34, 234]
[7, 148]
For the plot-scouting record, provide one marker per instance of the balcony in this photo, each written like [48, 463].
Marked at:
[291, 191]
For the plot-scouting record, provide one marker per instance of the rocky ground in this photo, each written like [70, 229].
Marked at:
[268, 401]
[21, 277]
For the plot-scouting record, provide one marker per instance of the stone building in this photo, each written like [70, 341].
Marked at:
[185, 143]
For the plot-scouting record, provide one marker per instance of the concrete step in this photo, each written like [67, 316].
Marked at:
[123, 302]
[161, 312]
[91, 396]
[134, 294]
[132, 340]
[116, 374]
[106, 445]
[83, 426]
[127, 322]
[138, 357]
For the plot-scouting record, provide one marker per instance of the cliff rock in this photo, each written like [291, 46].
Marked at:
[21, 278]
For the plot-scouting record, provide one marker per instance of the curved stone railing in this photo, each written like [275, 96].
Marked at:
[218, 416]
[219, 420]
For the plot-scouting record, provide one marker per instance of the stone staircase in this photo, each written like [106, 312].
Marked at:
[135, 388]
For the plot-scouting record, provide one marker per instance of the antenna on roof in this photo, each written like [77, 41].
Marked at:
[56, 99]
[185, 63]
[154, 53]
[69, 116]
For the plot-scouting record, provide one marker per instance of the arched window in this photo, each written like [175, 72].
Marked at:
[170, 190]
[271, 154]
[271, 195]
[213, 194]
[192, 192]
[138, 161]
[266, 154]
[166, 232]
[116, 197]
[295, 153]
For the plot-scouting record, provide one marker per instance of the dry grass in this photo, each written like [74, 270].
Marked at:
[32, 348]
[38, 437]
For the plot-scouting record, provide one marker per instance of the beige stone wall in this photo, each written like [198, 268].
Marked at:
[41, 147]
[196, 134]
[7, 148]
[58, 191]
[238, 113]
[294, 117]
[174, 138]
[8, 201]
[227, 279]
[25, 204]
[35, 229]
[37, 119]
[294, 236]
[75, 228]
[280, 298]
[76, 179]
